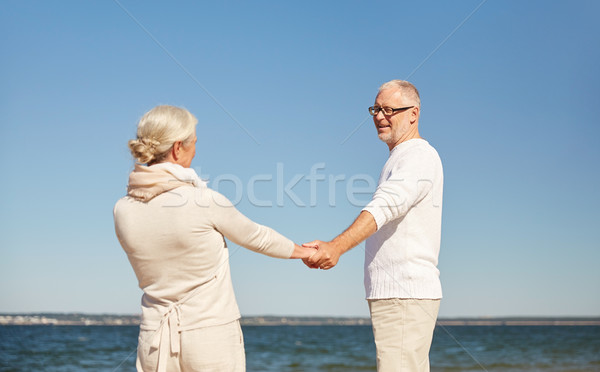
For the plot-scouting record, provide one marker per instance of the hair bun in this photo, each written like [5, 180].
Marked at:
[143, 149]
[151, 143]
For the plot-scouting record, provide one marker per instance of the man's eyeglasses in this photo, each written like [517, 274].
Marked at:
[374, 110]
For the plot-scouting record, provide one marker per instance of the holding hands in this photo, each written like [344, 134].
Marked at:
[327, 255]
[304, 251]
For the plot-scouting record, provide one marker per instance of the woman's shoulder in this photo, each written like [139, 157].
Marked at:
[202, 196]
[184, 196]
[123, 202]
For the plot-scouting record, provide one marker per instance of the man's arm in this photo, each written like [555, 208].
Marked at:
[329, 253]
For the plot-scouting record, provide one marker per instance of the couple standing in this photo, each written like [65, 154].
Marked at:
[190, 318]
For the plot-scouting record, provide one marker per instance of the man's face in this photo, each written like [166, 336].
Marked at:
[392, 129]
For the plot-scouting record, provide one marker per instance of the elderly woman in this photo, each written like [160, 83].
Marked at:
[173, 229]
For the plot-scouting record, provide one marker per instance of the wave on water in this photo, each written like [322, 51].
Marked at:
[313, 348]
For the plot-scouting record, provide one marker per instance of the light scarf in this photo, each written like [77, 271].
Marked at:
[147, 182]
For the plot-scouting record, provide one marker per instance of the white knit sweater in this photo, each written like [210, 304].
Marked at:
[401, 257]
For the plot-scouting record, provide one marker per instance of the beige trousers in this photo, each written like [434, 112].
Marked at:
[403, 330]
[209, 349]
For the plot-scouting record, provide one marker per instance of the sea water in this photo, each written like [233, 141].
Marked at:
[313, 348]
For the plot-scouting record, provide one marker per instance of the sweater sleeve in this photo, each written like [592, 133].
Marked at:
[242, 231]
[408, 183]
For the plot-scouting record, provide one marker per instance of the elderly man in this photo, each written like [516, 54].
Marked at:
[402, 225]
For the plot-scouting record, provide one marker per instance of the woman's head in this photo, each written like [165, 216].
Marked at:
[163, 133]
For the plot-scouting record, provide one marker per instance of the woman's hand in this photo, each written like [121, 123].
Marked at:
[303, 252]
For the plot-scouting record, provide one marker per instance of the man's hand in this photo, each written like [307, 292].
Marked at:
[328, 253]
[305, 260]
[327, 256]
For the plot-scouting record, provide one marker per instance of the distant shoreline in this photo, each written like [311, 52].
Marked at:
[132, 320]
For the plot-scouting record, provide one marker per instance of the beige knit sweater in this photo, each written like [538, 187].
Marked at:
[175, 242]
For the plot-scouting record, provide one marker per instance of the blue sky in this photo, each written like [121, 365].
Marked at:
[509, 99]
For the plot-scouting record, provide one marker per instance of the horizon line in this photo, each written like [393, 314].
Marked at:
[458, 317]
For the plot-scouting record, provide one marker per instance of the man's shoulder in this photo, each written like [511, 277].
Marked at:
[414, 148]
[417, 157]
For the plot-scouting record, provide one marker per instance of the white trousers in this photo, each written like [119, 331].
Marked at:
[209, 349]
[403, 330]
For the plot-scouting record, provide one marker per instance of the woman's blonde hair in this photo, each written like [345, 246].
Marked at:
[158, 130]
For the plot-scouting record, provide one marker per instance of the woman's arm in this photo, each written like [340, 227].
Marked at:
[242, 231]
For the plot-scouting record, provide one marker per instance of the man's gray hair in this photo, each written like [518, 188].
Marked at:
[409, 91]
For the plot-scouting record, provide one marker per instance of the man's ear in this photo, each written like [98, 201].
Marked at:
[414, 114]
